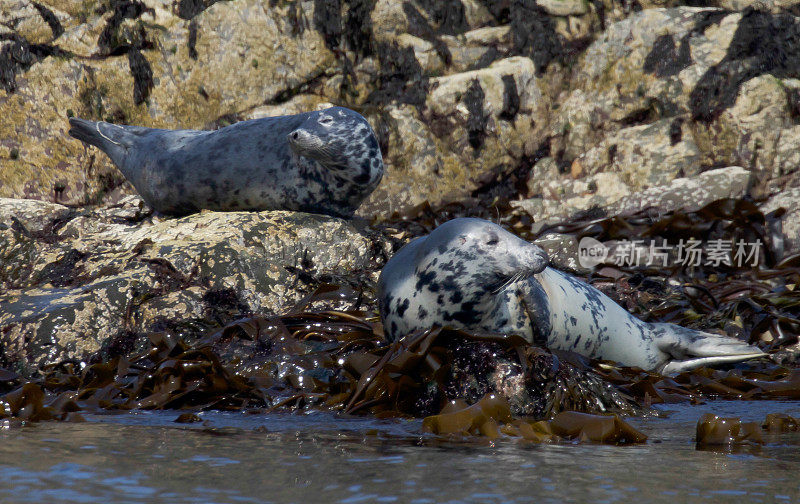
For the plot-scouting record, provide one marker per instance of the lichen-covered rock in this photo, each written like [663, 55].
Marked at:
[564, 7]
[149, 66]
[687, 194]
[473, 121]
[714, 84]
[416, 168]
[789, 200]
[644, 156]
[108, 273]
[559, 197]
[606, 194]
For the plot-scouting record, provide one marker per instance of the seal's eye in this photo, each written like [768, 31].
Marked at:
[493, 240]
[325, 120]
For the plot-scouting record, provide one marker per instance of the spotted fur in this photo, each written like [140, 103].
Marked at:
[324, 162]
[460, 277]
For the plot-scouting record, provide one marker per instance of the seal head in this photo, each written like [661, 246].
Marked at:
[342, 141]
[454, 277]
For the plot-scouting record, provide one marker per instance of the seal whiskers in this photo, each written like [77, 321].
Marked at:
[450, 278]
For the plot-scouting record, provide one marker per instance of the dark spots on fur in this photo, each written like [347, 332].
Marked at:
[510, 98]
[361, 179]
[665, 59]
[51, 19]
[394, 329]
[764, 43]
[142, 76]
[573, 320]
[676, 131]
[422, 312]
[467, 315]
[402, 307]
[478, 119]
[456, 297]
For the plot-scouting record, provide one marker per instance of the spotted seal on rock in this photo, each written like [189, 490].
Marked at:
[323, 162]
[472, 274]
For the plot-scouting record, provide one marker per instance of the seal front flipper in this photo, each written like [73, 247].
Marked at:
[688, 349]
[110, 138]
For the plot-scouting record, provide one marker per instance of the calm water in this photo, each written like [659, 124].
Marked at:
[147, 458]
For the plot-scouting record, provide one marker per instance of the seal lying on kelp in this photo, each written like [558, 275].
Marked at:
[472, 274]
[322, 162]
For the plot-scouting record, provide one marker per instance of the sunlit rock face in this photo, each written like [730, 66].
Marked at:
[461, 93]
[567, 107]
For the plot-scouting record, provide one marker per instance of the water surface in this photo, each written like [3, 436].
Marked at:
[145, 457]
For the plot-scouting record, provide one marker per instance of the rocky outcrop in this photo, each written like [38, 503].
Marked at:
[472, 121]
[76, 282]
[789, 200]
[607, 194]
[666, 93]
[137, 63]
[462, 93]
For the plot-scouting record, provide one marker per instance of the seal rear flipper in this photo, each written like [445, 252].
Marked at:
[674, 367]
[688, 349]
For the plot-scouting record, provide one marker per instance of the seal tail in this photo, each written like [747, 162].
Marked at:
[112, 139]
[691, 349]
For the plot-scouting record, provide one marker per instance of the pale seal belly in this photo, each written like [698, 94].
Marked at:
[472, 274]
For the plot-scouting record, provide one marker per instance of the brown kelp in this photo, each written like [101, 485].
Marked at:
[462, 383]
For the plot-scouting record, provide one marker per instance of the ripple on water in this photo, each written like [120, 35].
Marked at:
[146, 458]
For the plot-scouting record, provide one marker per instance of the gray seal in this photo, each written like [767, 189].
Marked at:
[472, 274]
[322, 162]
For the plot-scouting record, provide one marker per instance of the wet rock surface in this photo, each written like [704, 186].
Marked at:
[76, 282]
[561, 119]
